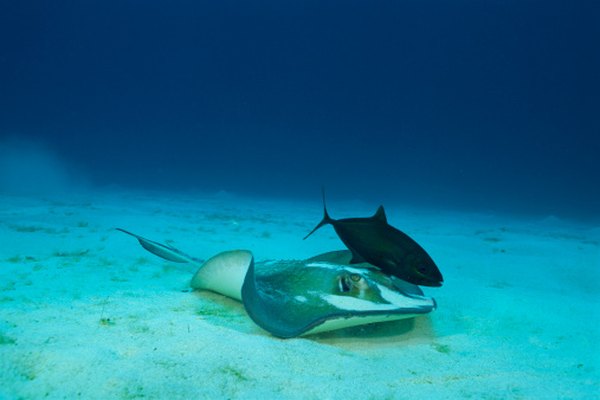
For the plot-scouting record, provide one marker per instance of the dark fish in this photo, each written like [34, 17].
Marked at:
[376, 242]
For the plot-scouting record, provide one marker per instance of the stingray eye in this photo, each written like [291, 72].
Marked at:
[352, 282]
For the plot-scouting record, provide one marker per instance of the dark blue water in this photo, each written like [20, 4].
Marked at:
[459, 104]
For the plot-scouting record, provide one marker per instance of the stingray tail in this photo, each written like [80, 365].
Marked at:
[162, 250]
[326, 218]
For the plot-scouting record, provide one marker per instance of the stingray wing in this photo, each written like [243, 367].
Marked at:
[301, 299]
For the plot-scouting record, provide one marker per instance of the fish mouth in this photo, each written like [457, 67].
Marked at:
[427, 279]
[431, 282]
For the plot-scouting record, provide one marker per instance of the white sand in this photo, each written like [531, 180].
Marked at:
[85, 312]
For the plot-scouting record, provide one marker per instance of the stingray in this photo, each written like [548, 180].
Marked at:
[376, 242]
[290, 298]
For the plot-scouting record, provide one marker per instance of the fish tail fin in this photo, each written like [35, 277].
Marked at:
[324, 221]
[326, 218]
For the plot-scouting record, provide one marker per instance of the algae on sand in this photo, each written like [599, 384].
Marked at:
[4, 339]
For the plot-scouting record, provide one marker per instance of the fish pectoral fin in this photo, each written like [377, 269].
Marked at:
[357, 258]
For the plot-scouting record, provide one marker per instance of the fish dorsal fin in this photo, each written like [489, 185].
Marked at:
[380, 215]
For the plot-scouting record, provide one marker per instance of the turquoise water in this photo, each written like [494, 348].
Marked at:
[213, 127]
[479, 107]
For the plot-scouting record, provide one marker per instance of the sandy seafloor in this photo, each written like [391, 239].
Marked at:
[85, 312]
